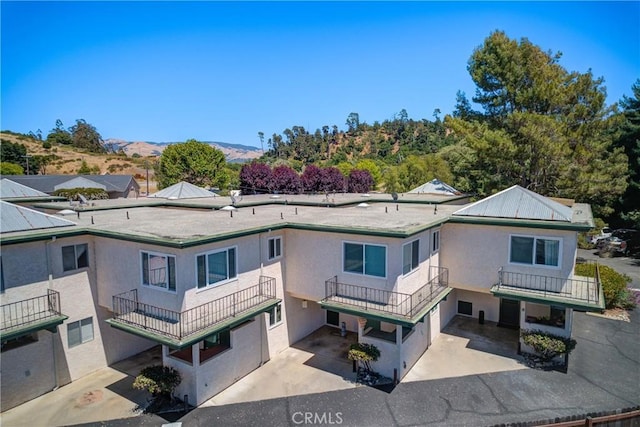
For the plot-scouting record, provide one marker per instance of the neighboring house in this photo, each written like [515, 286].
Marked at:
[224, 291]
[116, 186]
[11, 191]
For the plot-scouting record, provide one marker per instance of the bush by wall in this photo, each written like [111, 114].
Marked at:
[614, 285]
[89, 193]
[547, 345]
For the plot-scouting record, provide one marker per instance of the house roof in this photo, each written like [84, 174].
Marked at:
[47, 183]
[435, 186]
[18, 218]
[183, 190]
[13, 190]
[79, 182]
[518, 203]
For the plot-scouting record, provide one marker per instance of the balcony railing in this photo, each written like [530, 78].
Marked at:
[388, 302]
[179, 325]
[27, 312]
[584, 289]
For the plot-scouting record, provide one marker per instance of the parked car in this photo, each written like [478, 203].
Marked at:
[624, 241]
[604, 233]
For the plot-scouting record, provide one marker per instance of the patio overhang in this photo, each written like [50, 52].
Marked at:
[548, 298]
[385, 316]
[49, 324]
[188, 341]
[576, 292]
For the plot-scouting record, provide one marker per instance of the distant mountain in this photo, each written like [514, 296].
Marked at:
[233, 152]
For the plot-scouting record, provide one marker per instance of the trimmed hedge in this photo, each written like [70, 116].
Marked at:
[88, 193]
[547, 345]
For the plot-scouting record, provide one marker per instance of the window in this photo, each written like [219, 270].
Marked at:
[159, 270]
[435, 247]
[410, 256]
[75, 257]
[275, 314]
[534, 251]
[80, 332]
[216, 267]
[370, 260]
[275, 247]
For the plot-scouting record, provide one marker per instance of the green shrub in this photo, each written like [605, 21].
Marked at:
[158, 380]
[365, 353]
[547, 345]
[614, 285]
[89, 193]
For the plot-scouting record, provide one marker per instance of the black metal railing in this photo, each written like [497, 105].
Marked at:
[28, 311]
[583, 288]
[180, 324]
[396, 303]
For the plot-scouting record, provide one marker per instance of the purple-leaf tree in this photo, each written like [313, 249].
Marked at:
[332, 181]
[286, 180]
[255, 178]
[360, 181]
[311, 179]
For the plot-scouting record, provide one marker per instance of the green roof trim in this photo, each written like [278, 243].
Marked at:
[373, 314]
[528, 296]
[527, 223]
[189, 340]
[50, 324]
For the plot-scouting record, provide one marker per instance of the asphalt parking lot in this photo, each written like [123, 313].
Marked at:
[627, 265]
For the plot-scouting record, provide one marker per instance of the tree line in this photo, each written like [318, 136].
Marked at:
[530, 122]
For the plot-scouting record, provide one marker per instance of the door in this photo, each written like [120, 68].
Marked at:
[509, 313]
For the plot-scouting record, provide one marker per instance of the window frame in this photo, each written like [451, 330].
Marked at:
[76, 265]
[435, 241]
[169, 270]
[415, 244]
[275, 312]
[277, 248]
[80, 324]
[229, 277]
[364, 260]
[533, 262]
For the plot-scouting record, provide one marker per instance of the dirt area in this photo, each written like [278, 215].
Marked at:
[615, 313]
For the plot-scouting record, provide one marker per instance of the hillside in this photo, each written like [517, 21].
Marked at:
[233, 152]
[65, 159]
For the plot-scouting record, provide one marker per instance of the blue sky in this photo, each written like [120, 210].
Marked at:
[217, 71]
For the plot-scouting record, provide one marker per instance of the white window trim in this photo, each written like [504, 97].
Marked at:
[221, 282]
[269, 240]
[82, 340]
[75, 257]
[386, 255]
[433, 241]
[158, 288]
[418, 266]
[278, 323]
[533, 259]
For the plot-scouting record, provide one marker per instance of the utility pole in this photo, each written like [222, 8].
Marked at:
[146, 165]
[26, 156]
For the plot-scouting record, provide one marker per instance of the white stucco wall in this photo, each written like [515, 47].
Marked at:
[481, 301]
[414, 345]
[30, 269]
[202, 382]
[475, 253]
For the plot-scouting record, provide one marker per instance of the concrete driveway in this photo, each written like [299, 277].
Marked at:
[103, 395]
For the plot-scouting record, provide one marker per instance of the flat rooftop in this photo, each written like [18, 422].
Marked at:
[189, 222]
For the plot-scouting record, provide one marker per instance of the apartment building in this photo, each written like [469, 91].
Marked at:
[225, 284]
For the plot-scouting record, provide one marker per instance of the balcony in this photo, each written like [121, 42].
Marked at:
[31, 315]
[182, 329]
[393, 307]
[582, 293]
